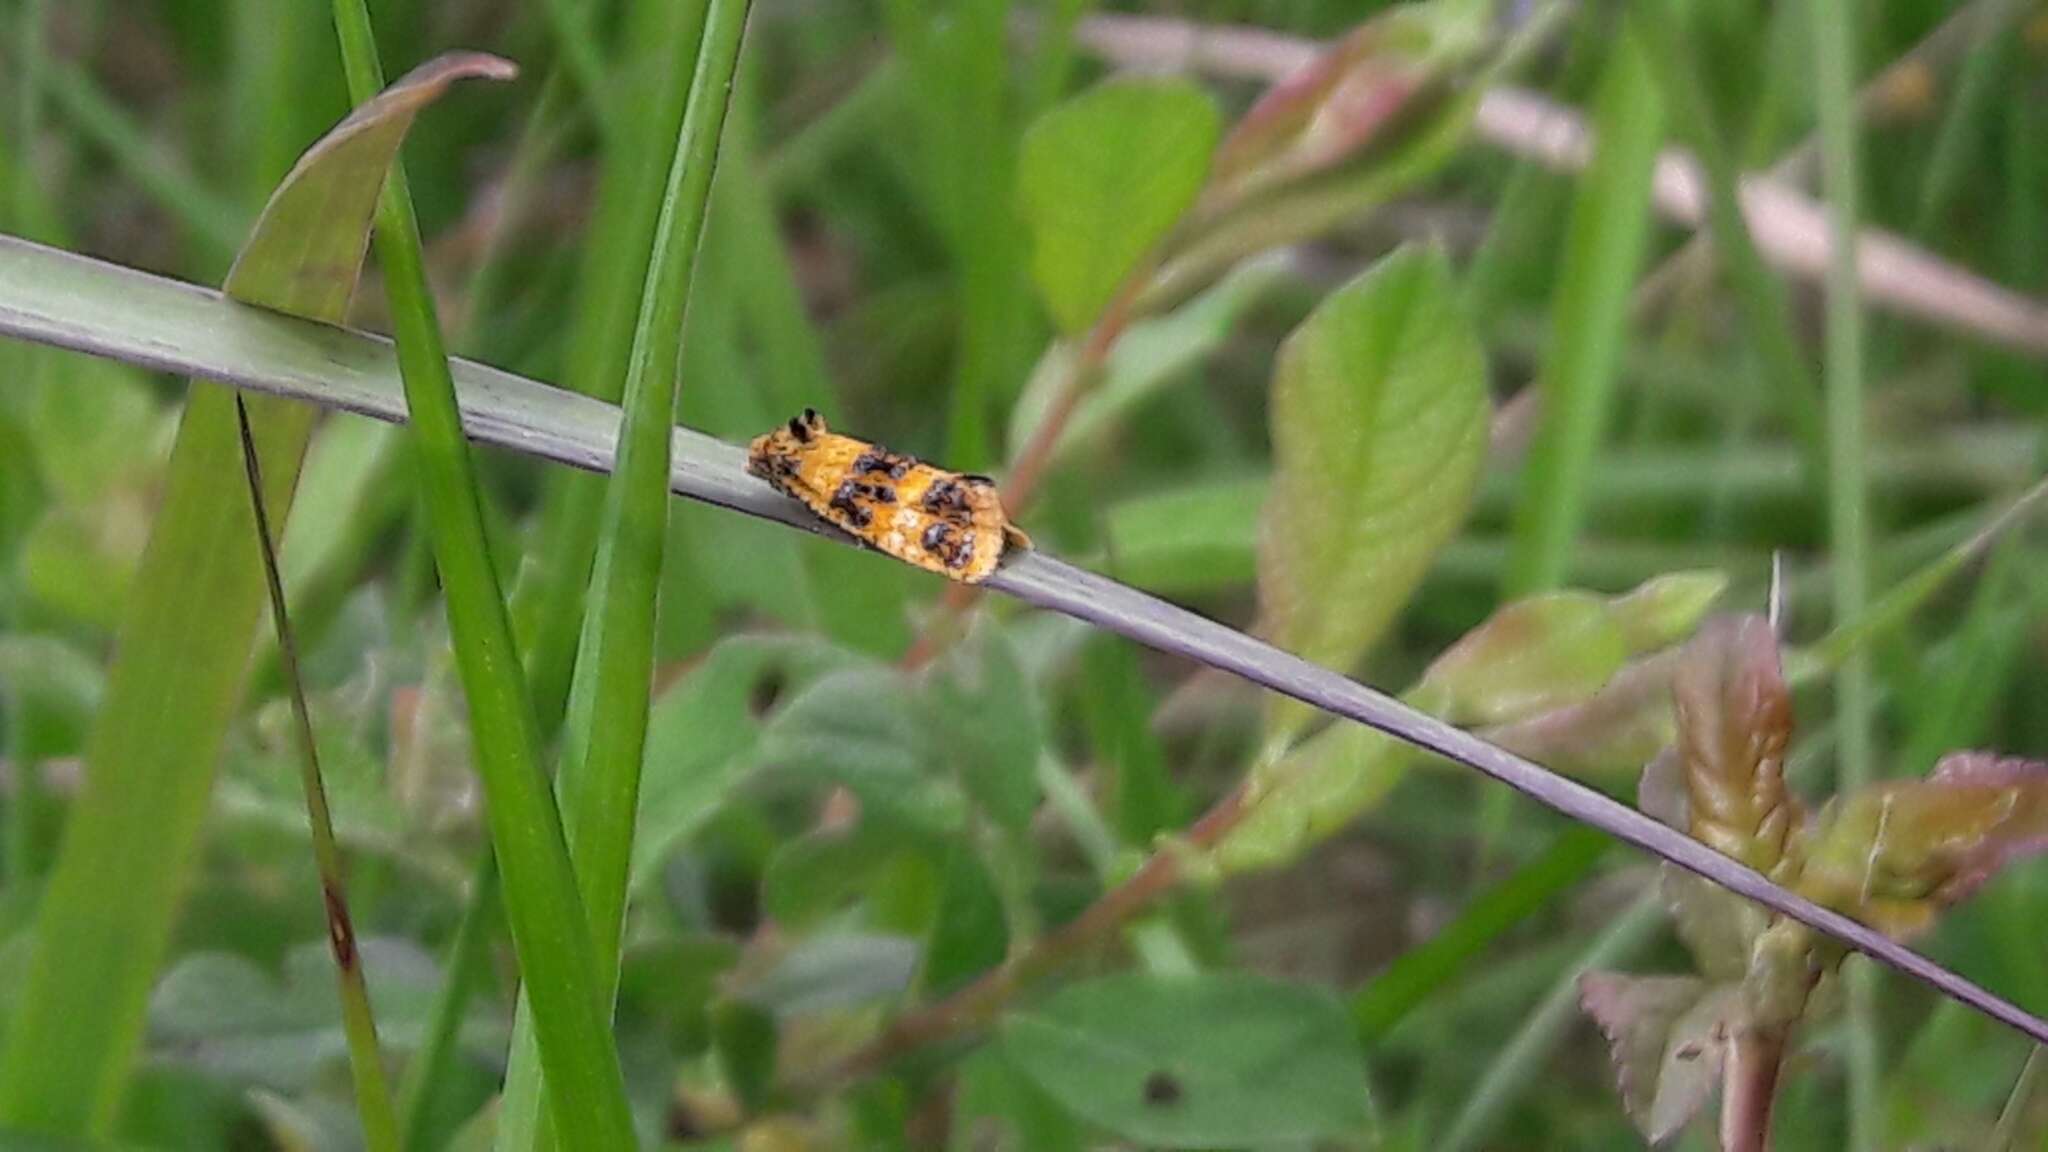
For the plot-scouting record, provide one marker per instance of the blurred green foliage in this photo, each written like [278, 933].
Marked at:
[936, 223]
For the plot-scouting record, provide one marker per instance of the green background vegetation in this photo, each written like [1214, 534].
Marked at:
[1285, 371]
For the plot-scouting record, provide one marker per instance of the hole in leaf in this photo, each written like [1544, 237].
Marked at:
[1162, 1089]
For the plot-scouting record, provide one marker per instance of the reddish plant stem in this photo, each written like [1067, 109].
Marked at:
[975, 1005]
[1749, 1086]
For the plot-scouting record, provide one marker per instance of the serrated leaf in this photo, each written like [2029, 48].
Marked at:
[1200, 1061]
[1667, 1038]
[1103, 178]
[1734, 720]
[1895, 854]
[1379, 414]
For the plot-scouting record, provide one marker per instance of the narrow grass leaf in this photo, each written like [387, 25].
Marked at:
[184, 646]
[366, 1061]
[72, 302]
[1603, 253]
[599, 777]
[542, 904]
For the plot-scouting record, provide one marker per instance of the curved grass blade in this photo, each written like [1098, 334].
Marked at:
[542, 905]
[184, 650]
[73, 302]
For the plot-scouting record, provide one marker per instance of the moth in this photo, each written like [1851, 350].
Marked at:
[940, 521]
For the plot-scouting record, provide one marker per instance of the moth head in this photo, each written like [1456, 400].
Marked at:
[803, 428]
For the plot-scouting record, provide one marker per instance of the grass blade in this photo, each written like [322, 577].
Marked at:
[599, 777]
[541, 901]
[184, 649]
[1848, 500]
[74, 302]
[373, 1095]
[1603, 255]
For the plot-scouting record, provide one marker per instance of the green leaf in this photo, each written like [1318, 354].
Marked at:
[743, 1035]
[1321, 785]
[702, 733]
[1116, 705]
[969, 934]
[241, 1025]
[817, 875]
[980, 722]
[1103, 178]
[836, 970]
[1532, 656]
[1379, 415]
[1197, 538]
[58, 688]
[857, 727]
[996, 1107]
[185, 642]
[1197, 1061]
[1666, 1036]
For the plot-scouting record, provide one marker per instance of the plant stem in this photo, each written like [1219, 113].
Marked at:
[1848, 515]
[1749, 1086]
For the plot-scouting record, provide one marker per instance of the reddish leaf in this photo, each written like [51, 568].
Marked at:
[1734, 720]
[1667, 1036]
[1897, 853]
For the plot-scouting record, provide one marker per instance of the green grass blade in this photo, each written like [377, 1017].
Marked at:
[366, 1061]
[549, 605]
[184, 649]
[1382, 1001]
[461, 972]
[1610, 225]
[1848, 500]
[599, 777]
[541, 901]
[1761, 299]
[1603, 255]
